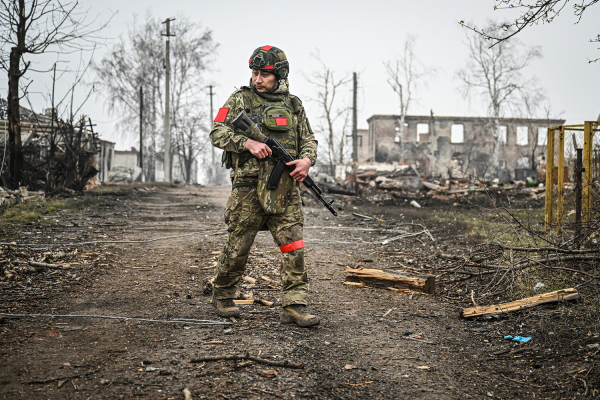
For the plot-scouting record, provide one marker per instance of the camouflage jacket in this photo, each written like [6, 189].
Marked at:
[299, 140]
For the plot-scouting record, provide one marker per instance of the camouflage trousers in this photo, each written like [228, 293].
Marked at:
[244, 217]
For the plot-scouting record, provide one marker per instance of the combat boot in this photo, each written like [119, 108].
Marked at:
[225, 307]
[298, 314]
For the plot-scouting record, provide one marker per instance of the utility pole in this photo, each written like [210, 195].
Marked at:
[141, 128]
[213, 168]
[354, 121]
[167, 157]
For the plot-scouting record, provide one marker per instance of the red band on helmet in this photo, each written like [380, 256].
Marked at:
[281, 121]
[298, 244]
[222, 114]
[268, 67]
[266, 48]
[250, 60]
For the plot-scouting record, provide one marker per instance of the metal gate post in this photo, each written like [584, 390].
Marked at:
[549, 177]
[588, 136]
[561, 179]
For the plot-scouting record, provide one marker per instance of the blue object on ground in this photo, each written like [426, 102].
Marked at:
[521, 339]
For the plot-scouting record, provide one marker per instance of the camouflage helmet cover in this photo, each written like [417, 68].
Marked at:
[270, 59]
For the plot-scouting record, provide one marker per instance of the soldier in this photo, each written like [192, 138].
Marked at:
[252, 206]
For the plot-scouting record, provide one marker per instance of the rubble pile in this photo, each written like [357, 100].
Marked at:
[22, 195]
[406, 181]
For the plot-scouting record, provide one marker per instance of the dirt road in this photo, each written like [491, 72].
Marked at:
[362, 349]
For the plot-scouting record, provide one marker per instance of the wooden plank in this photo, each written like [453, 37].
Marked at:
[246, 301]
[355, 284]
[387, 279]
[528, 302]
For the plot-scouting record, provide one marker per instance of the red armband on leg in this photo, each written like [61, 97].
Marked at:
[286, 248]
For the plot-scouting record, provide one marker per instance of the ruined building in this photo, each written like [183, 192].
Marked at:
[446, 145]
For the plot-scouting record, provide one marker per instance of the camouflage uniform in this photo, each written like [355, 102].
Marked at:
[246, 213]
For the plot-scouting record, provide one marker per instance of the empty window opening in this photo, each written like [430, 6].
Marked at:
[542, 136]
[522, 136]
[422, 129]
[457, 134]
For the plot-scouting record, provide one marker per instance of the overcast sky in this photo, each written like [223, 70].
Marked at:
[359, 36]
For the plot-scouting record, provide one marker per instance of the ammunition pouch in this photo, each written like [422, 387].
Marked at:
[274, 201]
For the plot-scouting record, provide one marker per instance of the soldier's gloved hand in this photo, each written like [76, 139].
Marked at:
[302, 167]
[258, 149]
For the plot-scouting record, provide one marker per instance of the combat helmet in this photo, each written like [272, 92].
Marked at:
[270, 59]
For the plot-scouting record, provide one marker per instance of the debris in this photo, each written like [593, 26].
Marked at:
[248, 279]
[46, 265]
[245, 301]
[407, 291]
[519, 339]
[269, 374]
[423, 367]
[187, 395]
[415, 204]
[552, 297]
[362, 216]
[433, 186]
[247, 356]
[264, 302]
[350, 366]
[538, 286]
[268, 281]
[391, 279]
[355, 284]
[387, 312]
[151, 369]
[594, 346]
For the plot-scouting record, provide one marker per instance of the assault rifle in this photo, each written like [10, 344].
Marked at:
[280, 155]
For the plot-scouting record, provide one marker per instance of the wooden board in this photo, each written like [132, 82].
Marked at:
[387, 279]
[528, 302]
[246, 301]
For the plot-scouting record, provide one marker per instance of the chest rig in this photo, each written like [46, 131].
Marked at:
[277, 117]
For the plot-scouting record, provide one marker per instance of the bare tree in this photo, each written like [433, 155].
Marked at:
[31, 27]
[403, 75]
[535, 104]
[496, 75]
[131, 64]
[192, 49]
[191, 140]
[328, 88]
[533, 12]
[138, 60]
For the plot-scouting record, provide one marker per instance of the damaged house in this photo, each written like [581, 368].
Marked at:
[57, 153]
[451, 146]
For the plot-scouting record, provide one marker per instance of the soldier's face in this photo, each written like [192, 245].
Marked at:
[263, 81]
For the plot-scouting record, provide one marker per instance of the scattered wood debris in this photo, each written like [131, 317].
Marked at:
[391, 280]
[528, 302]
